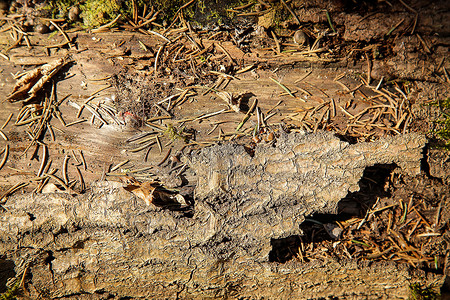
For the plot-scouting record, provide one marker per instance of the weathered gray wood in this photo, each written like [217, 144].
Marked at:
[108, 241]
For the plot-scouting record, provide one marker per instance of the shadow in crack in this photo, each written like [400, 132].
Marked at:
[6, 272]
[322, 227]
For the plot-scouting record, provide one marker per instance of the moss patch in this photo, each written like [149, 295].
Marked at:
[98, 12]
[422, 293]
[443, 130]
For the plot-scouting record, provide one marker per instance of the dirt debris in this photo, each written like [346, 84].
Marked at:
[360, 74]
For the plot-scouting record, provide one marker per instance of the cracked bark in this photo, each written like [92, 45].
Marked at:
[108, 242]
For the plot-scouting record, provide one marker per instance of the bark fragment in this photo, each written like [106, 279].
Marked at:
[110, 242]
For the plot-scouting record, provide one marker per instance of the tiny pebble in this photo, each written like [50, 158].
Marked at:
[41, 28]
[74, 13]
[299, 37]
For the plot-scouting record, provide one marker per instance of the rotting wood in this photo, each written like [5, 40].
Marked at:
[233, 235]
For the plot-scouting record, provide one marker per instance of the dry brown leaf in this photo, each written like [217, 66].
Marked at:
[233, 102]
[29, 84]
[152, 192]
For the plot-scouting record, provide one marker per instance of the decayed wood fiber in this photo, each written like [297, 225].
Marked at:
[108, 242]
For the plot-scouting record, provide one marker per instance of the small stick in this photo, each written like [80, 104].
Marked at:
[395, 27]
[346, 112]
[91, 96]
[413, 229]
[319, 107]
[7, 58]
[147, 139]
[103, 27]
[415, 24]
[95, 113]
[163, 110]
[277, 43]
[63, 33]
[5, 156]
[291, 12]
[438, 213]
[421, 217]
[408, 7]
[7, 121]
[255, 13]
[140, 170]
[428, 234]
[138, 137]
[57, 45]
[269, 116]
[147, 153]
[340, 76]
[44, 160]
[158, 118]
[399, 123]
[223, 74]
[369, 70]
[13, 189]
[214, 128]
[60, 118]
[50, 129]
[155, 126]
[119, 165]
[75, 158]
[225, 51]
[285, 88]
[83, 161]
[245, 69]
[165, 157]
[258, 122]
[142, 147]
[276, 105]
[159, 144]
[80, 108]
[159, 35]
[447, 77]
[76, 122]
[303, 77]
[27, 40]
[3, 135]
[156, 58]
[314, 86]
[181, 170]
[424, 44]
[64, 169]
[80, 177]
[60, 181]
[320, 119]
[209, 115]
[100, 79]
[329, 21]
[27, 121]
[247, 115]
[379, 83]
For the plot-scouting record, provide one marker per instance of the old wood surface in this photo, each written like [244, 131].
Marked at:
[98, 58]
[72, 241]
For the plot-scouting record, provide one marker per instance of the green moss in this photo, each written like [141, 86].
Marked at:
[98, 12]
[59, 8]
[422, 293]
[443, 128]
[174, 133]
[12, 292]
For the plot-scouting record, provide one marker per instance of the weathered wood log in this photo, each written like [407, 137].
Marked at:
[108, 242]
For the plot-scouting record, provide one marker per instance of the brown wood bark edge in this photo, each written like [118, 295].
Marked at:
[110, 242]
